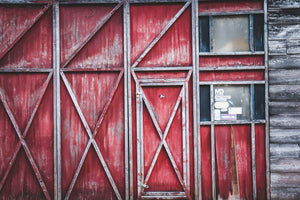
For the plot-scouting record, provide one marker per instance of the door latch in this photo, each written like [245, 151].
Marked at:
[144, 186]
[138, 94]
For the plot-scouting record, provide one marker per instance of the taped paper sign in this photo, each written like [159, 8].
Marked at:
[235, 110]
[217, 115]
[228, 117]
[232, 102]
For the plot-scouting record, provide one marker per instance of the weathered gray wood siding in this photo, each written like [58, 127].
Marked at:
[284, 93]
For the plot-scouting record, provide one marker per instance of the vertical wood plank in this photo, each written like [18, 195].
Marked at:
[126, 105]
[196, 102]
[267, 141]
[128, 102]
[56, 102]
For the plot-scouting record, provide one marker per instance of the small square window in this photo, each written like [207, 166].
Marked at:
[232, 103]
[230, 34]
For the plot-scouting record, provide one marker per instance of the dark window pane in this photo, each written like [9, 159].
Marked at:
[230, 33]
[232, 102]
[259, 102]
[258, 32]
[204, 34]
[204, 103]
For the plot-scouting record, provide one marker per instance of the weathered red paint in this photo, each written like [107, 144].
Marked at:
[161, 75]
[222, 61]
[223, 161]
[34, 48]
[206, 181]
[230, 6]
[242, 148]
[174, 48]
[233, 158]
[232, 76]
[77, 23]
[260, 161]
[22, 99]
[100, 98]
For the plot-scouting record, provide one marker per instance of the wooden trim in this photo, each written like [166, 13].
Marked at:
[56, 102]
[267, 131]
[213, 144]
[162, 68]
[235, 53]
[231, 68]
[231, 13]
[29, 70]
[196, 102]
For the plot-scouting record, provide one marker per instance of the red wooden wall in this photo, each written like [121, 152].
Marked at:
[126, 104]
[26, 109]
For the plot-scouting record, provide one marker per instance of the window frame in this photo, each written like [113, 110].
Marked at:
[250, 15]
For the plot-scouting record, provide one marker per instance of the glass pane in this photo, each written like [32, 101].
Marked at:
[204, 34]
[232, 103]
[259, 102]
[230, 34]
[258, 32]
[204, 103]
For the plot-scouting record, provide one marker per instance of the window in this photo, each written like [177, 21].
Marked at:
[231, 33]
[232, 102]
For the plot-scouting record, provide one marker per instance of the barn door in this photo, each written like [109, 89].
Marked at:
[92, 101]
[26, 111]
[161, 72]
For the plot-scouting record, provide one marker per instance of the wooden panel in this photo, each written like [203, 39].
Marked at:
[100, 99]
[224, 161]
[230, 6]
[260, 161]
[285, 121]
[93, 129]
[26, 110]
[277, 108]
[277, 47]
[284, 62]
[233, 158]
[293, 46]
[163, 177]
[231, 76]
[222, 61]
[284, 136]
[285, 193]
[284, 150]
[284, 77]
[206, 180]
[289, 180]
[284, 92]
[174, 48]
[27, 39]
[291, 165]
[84, 36]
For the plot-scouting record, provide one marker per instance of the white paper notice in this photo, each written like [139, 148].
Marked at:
[217, 115]
[235, 110]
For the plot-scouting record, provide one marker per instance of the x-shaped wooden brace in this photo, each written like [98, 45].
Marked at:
[22, 137]
[97, 28]
[22, 33]
[92, 136]
[160, 35]
[163, 136]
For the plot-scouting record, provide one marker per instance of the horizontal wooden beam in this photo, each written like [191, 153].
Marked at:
[232, 13]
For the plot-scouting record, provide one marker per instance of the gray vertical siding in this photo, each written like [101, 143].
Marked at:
[284, 94]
